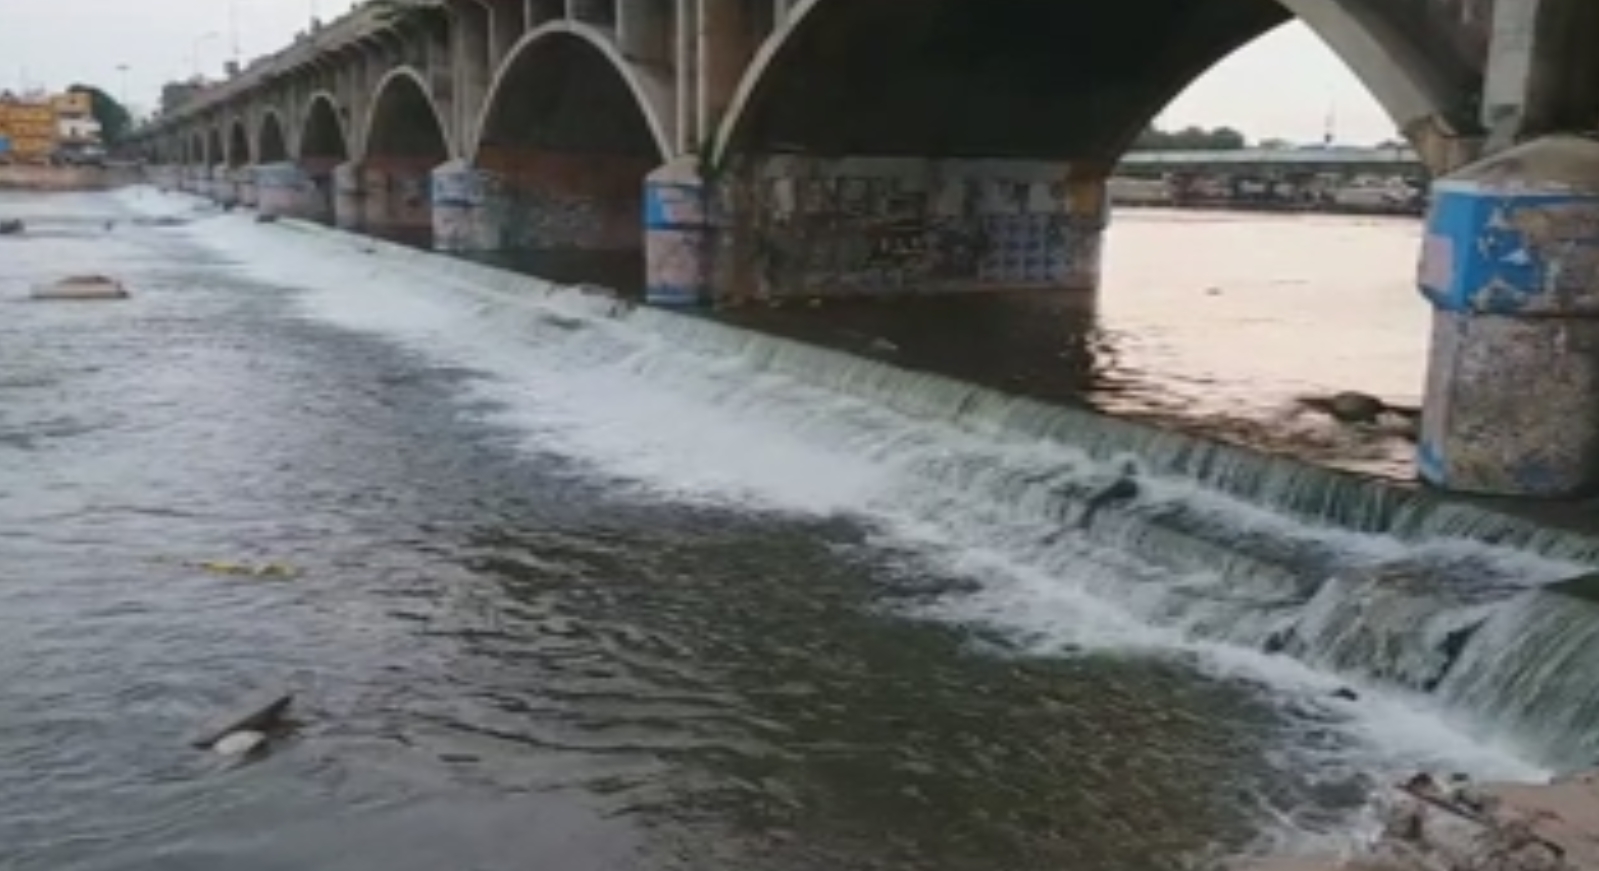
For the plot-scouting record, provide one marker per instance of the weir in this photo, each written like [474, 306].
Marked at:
[1454, 603]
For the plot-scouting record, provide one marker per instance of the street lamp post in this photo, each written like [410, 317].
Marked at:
[233, 27]
[123, 69]
[212, 34]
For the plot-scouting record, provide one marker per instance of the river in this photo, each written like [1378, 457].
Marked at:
[578, 588]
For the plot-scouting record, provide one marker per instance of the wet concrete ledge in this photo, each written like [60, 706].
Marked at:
[1312, 493]
[14, 177]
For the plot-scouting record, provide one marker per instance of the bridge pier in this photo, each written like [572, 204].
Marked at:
[468, 211]
[319, 187]
[395, 198]
[791, 226]
[349, 208]
[284, 190]
[1511, 267]
[222, 188]
[679, 235]
[244, 183]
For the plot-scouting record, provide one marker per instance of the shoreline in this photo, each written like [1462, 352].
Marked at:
[66, 179]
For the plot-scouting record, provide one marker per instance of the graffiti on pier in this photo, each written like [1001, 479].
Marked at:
[925, 229]
[539, 219]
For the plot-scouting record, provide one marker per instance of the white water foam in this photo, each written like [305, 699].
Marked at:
[683, 425]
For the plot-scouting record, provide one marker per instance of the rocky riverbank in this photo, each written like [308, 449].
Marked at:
[1434, 825]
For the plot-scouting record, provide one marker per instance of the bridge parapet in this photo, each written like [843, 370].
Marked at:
[359, 24]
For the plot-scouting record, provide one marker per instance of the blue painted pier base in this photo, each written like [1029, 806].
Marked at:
[1510, 265]
[678, 235]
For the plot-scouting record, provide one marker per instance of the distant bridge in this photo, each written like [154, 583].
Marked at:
[1384, 161]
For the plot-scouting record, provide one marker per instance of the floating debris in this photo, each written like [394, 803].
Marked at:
[251, 732]
[83, 287]
[240, 743]
[265, 570]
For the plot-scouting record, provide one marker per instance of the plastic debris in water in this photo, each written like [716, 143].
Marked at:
[267, 570]
[240, 743]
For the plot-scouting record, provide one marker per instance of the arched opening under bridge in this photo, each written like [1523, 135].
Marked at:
[568, 138]
[404, 142]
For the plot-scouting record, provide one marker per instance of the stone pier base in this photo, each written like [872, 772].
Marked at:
[396, 198]
[678, 235]
[223, 189]
[245, 183]
[285, 191]
[468, 209]
[1511, 266]
[349, 208]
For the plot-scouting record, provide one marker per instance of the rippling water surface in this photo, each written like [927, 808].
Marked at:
[552, 612]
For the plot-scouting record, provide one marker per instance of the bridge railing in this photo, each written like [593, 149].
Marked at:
[358, 23]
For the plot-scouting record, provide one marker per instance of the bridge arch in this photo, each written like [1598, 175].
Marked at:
[403, 119]
[404, 139]
[569, 130]
[214, 152]
[584, 65]
[1017, 78]
[238, 152]
[271, 145]
[323, 132]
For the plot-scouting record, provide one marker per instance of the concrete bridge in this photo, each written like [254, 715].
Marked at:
[809, 147]
[1394, 162]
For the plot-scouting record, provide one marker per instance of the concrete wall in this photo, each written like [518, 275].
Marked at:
[65, 178]
[810, 226]
[397, 197]
[571, 201]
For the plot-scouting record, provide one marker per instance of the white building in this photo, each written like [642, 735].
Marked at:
[78, 128]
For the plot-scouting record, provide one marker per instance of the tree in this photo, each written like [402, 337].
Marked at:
[115, 122]
[1190, 139]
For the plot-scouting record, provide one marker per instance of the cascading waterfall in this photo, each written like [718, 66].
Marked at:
[1383, 584]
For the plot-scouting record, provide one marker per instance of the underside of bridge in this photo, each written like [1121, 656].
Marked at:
[271, 145]
[405, 140]
[323, 148]
[565, 146]
[966, 146]
[238, 152]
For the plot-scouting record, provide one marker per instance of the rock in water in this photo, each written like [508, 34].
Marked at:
[1355, 407]
[11, 227]
[266, 219]
[82, 287]
[240, 743]
[263, 718]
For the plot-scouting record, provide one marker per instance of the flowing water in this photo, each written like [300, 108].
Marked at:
[581, 586]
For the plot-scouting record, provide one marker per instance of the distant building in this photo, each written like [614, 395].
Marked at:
[28, 126]
[43, 128]
[76, 126]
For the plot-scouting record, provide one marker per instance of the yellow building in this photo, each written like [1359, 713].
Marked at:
[73, 104]
[34, 125]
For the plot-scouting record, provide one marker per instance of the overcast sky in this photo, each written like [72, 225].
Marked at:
[1285, 85]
